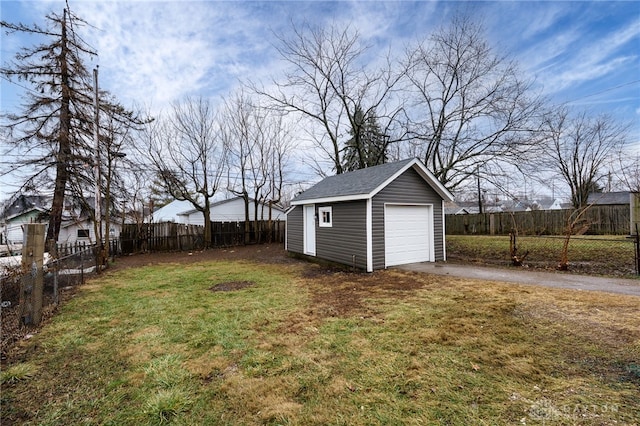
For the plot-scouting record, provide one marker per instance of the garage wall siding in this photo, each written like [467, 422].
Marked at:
[347, 236]
[295, 233]
[407, 188]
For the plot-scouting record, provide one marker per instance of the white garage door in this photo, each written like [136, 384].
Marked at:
[407, 235]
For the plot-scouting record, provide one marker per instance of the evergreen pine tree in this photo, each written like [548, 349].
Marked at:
[367, 146]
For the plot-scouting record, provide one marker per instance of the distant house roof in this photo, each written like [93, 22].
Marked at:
[26, 203]
[451, 207]
[609, 198]
[230, 200]
[170, 212]
[42, 213]
[365, 183]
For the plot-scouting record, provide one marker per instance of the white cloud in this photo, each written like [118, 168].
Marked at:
[578, 57]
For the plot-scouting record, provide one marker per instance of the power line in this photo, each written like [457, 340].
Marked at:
[7, 79]
[605, 91]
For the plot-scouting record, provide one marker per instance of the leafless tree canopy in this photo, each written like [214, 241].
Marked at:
[578, 149]
[188, 156]
[328, 84]
[626, 168]
[470, 105]
[451, 100]
[258, 142]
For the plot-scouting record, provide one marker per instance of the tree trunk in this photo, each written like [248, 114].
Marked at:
[64, 143]
[247, 229]
[207, 223]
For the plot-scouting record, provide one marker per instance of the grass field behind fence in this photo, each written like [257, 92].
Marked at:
[302, 345]
[604, 255]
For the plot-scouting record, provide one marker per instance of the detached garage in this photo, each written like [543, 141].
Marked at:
[372, 218]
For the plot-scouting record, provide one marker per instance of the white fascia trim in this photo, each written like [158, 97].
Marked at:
[331, 199]
[435, 183]
[426, 175]
[369, 236]
[444, 241]
[393, 177]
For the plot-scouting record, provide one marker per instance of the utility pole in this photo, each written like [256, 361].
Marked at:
[479, 192]
[98, 199]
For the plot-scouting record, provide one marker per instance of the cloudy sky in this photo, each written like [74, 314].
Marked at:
[585, 54]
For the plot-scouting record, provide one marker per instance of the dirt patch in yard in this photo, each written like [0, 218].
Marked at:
[338, 292]
[232, 286]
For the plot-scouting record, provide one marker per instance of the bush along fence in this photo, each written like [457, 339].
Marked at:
[602, 220]
[599, 255]
[168, 236]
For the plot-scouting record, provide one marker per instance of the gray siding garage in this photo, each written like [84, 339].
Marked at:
[372, 218]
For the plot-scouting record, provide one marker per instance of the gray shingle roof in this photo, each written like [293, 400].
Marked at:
[606, 198]
[359, 182]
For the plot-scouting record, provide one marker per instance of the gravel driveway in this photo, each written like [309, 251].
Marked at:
[519, 276]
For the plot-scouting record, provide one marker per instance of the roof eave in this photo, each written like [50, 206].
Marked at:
[424, 173]
[415, 163]
[354, 197]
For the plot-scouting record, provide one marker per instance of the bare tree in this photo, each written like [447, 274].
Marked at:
[328, 82]
[471, 107]
[237, 135]
[277, 161]
[257, 141]
[117, 136]
[55, 124]
[627, 170]
[188, 155]
[578, 149]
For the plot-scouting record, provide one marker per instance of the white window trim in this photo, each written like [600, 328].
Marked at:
[321, 222]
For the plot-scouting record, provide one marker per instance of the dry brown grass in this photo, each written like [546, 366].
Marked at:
[313, 345]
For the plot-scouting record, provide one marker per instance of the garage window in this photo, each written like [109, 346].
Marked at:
[326, 217]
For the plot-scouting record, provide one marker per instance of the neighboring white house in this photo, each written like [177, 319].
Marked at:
[82, 230]
[169, 213]
[19, 211]
[231, 210]
[12, 225]
[76, 223]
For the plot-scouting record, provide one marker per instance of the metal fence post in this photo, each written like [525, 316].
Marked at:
[82, 267]
[637, 250]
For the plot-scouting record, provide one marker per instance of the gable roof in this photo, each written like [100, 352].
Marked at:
[229, 200]
[365, 183]
[26, 203]
[169, 212]
[42, 211]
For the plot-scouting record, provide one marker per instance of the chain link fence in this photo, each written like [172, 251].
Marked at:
[592, 255]
[60, 276]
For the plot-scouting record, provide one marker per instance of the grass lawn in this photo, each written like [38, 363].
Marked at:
[610, 255]
[240, 342]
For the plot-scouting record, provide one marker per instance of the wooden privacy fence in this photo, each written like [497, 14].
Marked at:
[602, 220]
[165, 236]
[168, 236]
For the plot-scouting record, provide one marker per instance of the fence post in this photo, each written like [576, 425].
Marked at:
[31, 285]
[54, 265]
[637, 250]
